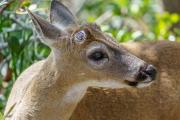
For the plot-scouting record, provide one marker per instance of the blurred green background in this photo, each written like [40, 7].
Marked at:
[125, 20]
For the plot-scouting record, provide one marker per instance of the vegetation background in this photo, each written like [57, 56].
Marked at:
[126, 20]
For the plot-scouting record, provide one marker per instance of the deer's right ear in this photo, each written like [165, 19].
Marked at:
[60, 15]
[47, 32]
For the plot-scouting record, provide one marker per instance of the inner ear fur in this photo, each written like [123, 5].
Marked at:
[61, 16]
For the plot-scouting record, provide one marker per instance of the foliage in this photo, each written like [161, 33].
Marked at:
[1, 116]
[126, 20]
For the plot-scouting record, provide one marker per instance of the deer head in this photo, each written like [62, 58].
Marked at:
[85, 51]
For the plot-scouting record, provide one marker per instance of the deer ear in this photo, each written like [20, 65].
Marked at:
[60, 15]
[47, 32]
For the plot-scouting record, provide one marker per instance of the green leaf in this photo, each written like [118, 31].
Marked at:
[1, 116]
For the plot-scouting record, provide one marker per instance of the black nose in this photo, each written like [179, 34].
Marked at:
[151, 71]
[145, 72]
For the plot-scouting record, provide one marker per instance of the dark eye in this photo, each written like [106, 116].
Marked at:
[97, 56]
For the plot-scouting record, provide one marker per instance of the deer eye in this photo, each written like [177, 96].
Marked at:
[97, 56]
[80, 36]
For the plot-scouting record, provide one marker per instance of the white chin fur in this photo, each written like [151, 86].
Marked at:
[143, 84]
[77, 91]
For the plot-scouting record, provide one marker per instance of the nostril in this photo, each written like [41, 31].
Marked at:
[142, 76]
[151, 71]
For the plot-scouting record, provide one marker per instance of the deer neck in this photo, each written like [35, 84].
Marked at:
[54, 80]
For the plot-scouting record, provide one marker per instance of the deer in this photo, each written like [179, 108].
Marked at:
[81, 56]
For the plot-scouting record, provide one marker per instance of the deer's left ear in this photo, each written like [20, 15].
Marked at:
[60, 15]
[47, 32]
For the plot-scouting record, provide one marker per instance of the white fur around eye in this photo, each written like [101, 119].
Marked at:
[80, 36]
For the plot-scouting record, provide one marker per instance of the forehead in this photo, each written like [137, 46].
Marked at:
[95, 32]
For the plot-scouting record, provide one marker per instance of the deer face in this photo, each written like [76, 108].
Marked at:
[88, 50]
